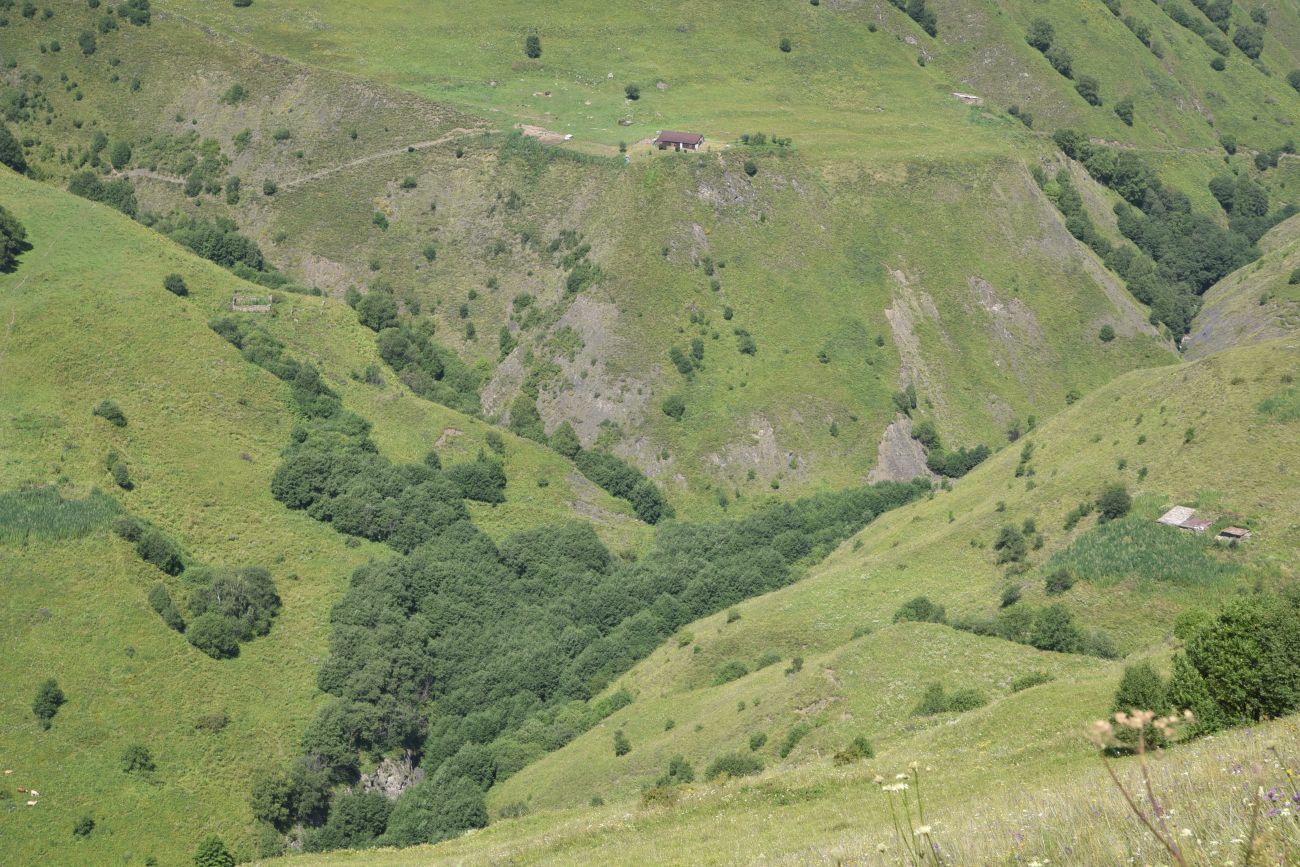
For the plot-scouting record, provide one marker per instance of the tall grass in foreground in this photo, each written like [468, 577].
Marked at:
[1226, 800]
[1140, 548]
[42, 513]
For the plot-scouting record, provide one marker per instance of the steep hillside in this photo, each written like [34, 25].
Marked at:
[886, 252]
[862, 674]
[1259, 302]
[834, 446]
[86, 318]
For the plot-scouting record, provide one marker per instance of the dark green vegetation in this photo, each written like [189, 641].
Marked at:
[1239, 667]
[226, 607]
[476, 656]
[13, 240]
[699, 336]
[1177, 252]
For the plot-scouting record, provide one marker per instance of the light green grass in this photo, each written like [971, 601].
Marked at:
[44, 513]
[1025, 742]
[85, 317]
[1138, 548]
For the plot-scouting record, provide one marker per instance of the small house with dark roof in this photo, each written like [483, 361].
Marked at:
[678, 141]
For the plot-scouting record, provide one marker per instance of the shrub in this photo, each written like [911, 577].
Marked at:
[215, 635]
[621, 744]
[1010, 545]
[1040, 34]
[212, 852]
[1061, 60]
[1218, 63]
[784, 45]
[564, 439]
[83, 827]
[756, 741]
[13, 241]
[632, 92]
[377, 310]
[137, 759]
[674, 406]
[482, 479]
[1250, 39]
[160, 600]
[1010, 595]
[751, 168]
[120, 154]
[1058, 582]
[733, 670]
[1030, 679]
[1106, 334]
[856, 751]
[1141, 688]
[936, 700]
[11, 152]
[121, 475]
[268, 187]
[234, 94]
[1054, 629]
[679, 772]
[175, 284]
[1113, 503]
[49, 698]
[733, 765]
[157, 549]
[792, 738]
[920, 609]
[110, 412]
[1124, 110]
[1089, 88]
[86, 41]
[533, 46]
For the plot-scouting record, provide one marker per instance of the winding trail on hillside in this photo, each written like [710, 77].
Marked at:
[452, 135]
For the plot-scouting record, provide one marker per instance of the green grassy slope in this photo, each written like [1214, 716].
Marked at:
[84, 318]
[822, 815]
[1255, 303]
[887, 255]
[857, 89]
[940, 547]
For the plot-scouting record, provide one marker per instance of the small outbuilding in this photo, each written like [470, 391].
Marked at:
[1233, 534]
[678, 141]
[1184, 518]
[1176, 516]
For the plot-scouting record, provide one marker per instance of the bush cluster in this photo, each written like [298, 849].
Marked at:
[936, 700]
[406, 344]
[920, 13]
[1240, 667]
[1176, 253]
[13, 240]
[626, 482]
[953, 464]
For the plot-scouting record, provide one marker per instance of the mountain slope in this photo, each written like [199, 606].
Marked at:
[85, 318]
[1235, 466]
[1256, 303]
[856, 273]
